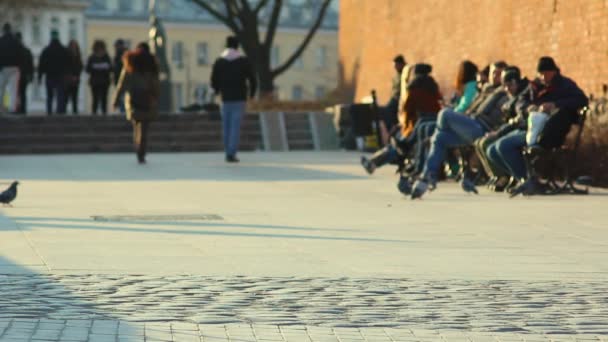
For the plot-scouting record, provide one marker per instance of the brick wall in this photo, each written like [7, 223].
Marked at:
[444, 32]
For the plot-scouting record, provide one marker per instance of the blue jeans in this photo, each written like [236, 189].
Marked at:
[423, 132]
[506, 153]
[232, 113]
[453, 130]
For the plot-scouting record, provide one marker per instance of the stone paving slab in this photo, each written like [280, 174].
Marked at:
[555, 307]
[16, 330]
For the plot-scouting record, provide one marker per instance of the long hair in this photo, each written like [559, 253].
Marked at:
[75, 50]
[99, 47]
[467, 72]
[140, 60]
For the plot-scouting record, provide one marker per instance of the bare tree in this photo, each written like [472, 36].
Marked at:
[245, 18]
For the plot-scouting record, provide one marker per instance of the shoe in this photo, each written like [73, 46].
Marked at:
[232, 159]
[527, 188]
[468, 186]
[404, 186]
[141, 159]
[420, 188]
[368, 165]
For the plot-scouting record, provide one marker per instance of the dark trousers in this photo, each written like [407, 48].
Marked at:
[55, 88]
[72, 96]
[556, 129]
[140, 138]
[22, 107]
[100, 98]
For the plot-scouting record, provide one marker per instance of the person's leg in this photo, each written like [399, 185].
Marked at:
[22, 109]
[13, 88]
[96, 99]
[226, 111]
[75, 92]
[143, 145]
[103, 91]
[50, 93]
[556, 129]
[465, 127]
[61, 99]
[510, 149]
[137, 139]
[440, 142]
[422, 145]
[3, 84]
[235, 128]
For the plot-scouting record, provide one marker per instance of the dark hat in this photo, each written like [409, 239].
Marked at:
[546, 63]
[510, 73]
[399, 59]
[422, 69]
[232, 42]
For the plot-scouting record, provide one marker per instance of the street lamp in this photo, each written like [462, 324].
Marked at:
[158, 44]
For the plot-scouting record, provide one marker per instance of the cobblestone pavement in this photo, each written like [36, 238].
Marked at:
[18, 330]
[556, 307]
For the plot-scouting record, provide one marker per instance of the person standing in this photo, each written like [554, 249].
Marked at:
[232, 78]
[26, 73]
[73, 79]
[119, 50]
[9, 67]
[53, 64]
[140, 84]
[99, 68]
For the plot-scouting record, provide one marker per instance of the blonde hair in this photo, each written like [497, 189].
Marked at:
[406, 76]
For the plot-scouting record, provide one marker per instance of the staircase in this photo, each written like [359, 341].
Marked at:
[299, 133]
[86, 134]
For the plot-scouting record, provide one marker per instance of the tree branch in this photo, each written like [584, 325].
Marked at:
[228, 20]
[281, 69]
[271, 28]
[259, 7]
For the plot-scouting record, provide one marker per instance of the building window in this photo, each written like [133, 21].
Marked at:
[36, 31]
[319, 92]
[125, 5]
[163, 6]
[299, 63]
[177, 54]
[296, 93]
[73, 29]
[321, 57]
[202, 55]
[201, 93]
[275, 56]
[179, 95]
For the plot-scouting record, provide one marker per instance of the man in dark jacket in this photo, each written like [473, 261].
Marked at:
[455, 130]
[232, 77]
[9, 66]
[557, 96]
[54, 64]
[26, 73]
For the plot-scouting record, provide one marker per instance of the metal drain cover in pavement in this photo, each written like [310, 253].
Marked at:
[122, 218]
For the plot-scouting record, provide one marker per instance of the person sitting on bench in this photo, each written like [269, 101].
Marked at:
[561, 98]
[421, 101]
[456, 130]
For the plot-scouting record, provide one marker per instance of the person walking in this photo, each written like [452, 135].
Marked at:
[232, 78]
[139, 82]
[99, 68]
[75, 68]
[9, 68]
[26, 73]
[53, 64]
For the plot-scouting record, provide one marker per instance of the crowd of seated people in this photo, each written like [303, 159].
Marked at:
[490, 117]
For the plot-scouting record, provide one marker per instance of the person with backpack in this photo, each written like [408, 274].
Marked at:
[139, 82]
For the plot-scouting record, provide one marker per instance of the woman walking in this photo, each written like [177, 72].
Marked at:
[73, 78]
[140, 84]
[99, 67]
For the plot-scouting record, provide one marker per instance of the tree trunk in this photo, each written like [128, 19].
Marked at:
[266, 85]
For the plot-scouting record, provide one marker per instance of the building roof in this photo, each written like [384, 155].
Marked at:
[295, 14]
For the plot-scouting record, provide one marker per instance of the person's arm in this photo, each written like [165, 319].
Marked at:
[42, 65]
[574, 100]
[120, 88]
[470, 90]
[215, 83]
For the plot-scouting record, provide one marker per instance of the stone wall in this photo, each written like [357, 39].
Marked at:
[444, 32]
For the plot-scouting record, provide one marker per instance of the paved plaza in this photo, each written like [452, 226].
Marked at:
[289, 247]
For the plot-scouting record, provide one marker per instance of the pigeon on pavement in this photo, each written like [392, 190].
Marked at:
[9, 194]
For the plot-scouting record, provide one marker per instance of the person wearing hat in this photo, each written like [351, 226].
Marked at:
[421, 100]
[455, 129]
[54, 65]
[560, 98]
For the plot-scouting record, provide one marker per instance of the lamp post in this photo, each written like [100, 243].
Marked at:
[158, 44]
